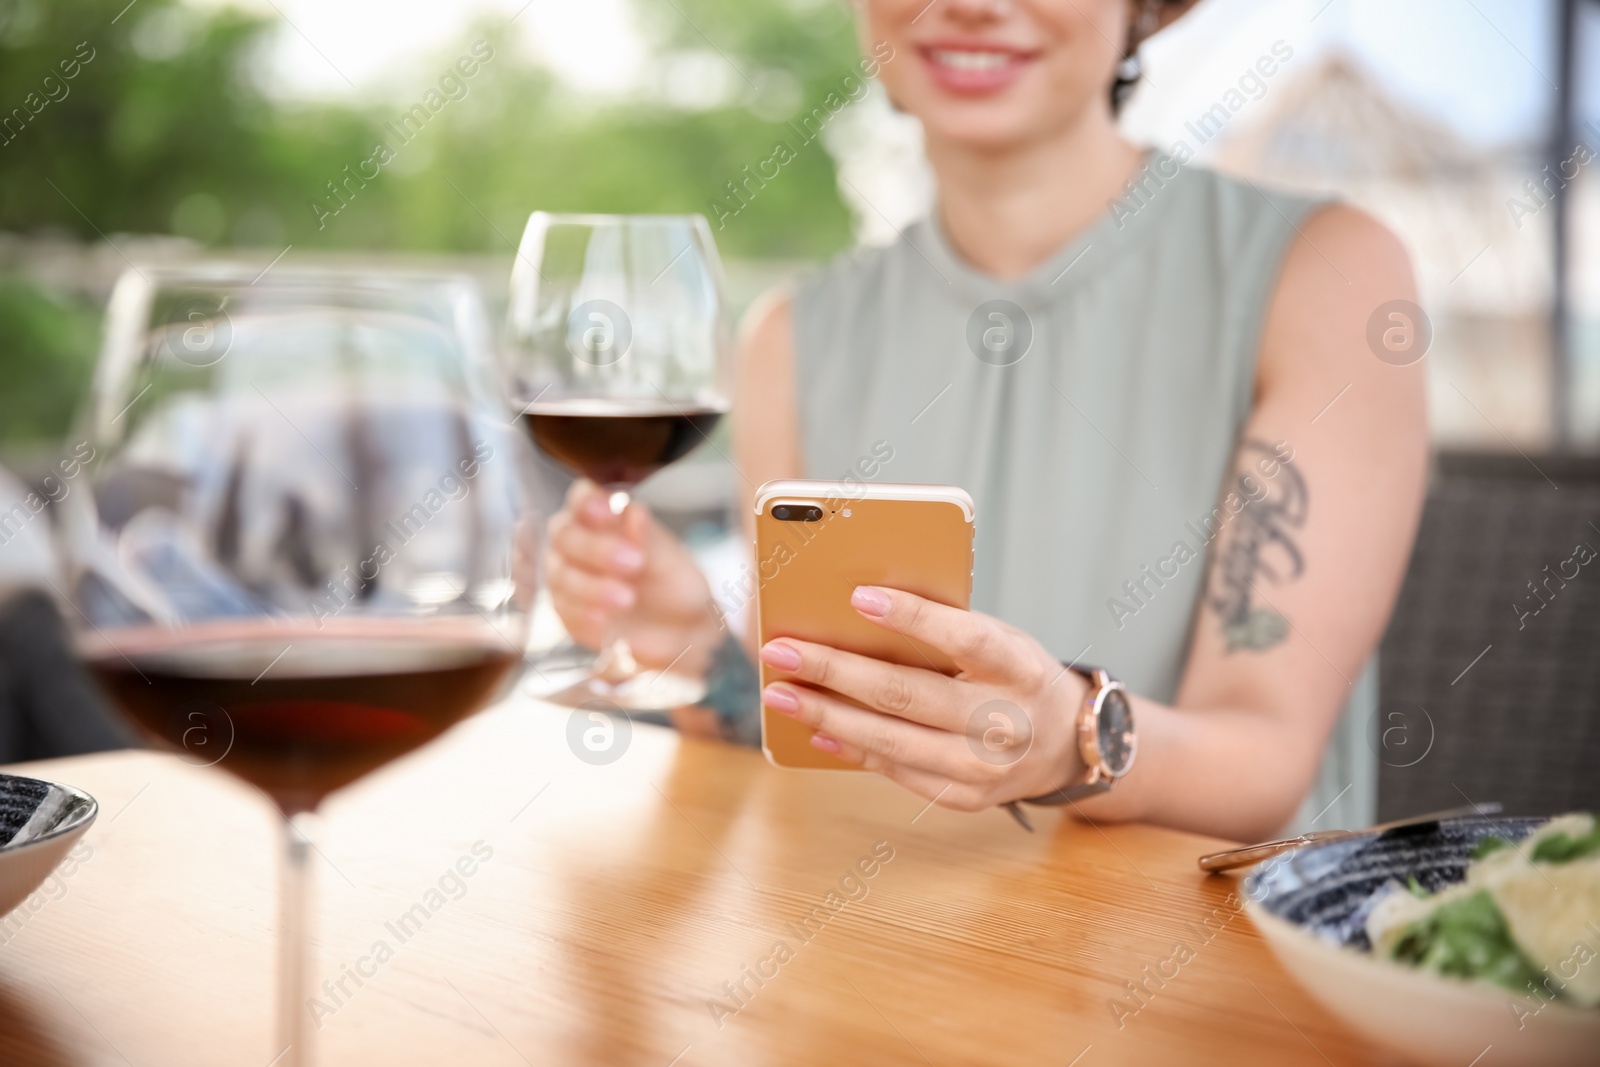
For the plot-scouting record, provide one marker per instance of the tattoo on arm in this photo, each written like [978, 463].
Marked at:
[1268, 502]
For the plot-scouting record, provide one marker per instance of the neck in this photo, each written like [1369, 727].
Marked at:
[1007, 211]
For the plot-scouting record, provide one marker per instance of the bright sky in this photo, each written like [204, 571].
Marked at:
[1484, 66]
[332, 48]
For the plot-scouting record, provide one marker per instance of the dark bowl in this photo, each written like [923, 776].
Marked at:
[39, 822]
[1311, 906]
[1328, 889]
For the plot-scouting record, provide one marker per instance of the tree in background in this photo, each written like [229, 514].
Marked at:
[152, 119]
[166, 129]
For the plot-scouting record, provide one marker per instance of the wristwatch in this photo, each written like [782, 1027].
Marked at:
[1106, 739]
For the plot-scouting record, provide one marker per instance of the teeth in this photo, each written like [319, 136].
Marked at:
[971, 60]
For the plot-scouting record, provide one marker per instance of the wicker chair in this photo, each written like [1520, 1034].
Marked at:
[1478, 701]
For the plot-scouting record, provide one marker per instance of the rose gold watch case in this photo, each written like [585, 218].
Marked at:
[1100, 684]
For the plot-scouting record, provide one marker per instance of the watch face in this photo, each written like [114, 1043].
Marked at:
[1116, 732]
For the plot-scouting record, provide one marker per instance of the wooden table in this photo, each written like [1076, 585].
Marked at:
[619, 909]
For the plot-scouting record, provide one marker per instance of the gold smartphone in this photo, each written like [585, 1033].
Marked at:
[816, 541]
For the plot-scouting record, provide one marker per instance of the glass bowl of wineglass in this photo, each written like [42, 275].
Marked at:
[619, 359]
[296, 560]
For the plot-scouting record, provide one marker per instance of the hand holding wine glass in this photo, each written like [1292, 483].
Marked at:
[630, 576]
[620, 362]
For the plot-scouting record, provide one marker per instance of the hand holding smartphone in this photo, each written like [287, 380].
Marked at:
[815, 542]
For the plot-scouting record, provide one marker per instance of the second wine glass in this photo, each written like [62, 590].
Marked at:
[295, 555]
[620, 361]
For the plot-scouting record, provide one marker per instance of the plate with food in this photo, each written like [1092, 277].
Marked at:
[1461, 941]
[39, 822]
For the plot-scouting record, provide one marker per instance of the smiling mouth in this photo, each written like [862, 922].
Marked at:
[983, 62]
[974, 70]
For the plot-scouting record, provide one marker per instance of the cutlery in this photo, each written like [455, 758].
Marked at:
[1249, 855]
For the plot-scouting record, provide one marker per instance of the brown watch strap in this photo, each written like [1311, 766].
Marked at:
[1064, 795]
[1067, 794]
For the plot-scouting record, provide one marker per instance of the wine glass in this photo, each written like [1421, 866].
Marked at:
[619, 358]
[296, 559]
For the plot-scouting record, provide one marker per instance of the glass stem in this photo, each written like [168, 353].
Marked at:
[615, 663]
[294, 935]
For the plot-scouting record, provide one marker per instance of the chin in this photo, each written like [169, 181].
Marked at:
[994, 125]
[976, 134]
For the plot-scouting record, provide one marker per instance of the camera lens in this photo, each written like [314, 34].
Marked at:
[780, 512]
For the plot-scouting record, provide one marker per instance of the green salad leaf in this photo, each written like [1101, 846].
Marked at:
[1564, 848]
[1488, 845]
[1467, 938]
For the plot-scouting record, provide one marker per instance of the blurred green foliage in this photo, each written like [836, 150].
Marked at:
[48, 352]
[165, 127]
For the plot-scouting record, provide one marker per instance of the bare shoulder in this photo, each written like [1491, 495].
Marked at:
[1340, 273]
[1342, 229]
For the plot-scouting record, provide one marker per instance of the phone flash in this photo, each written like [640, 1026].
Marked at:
[845, 513]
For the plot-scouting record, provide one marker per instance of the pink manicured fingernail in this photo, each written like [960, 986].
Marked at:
[619, 596]
[870, 601]
[782, 656]
[826, 743]
[780, 698]
[597, 508]
[627, 557]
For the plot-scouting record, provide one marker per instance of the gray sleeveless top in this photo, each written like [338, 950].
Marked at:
[1092, 409]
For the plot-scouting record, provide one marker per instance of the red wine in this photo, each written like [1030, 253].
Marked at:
[617, 442]
[300, 723]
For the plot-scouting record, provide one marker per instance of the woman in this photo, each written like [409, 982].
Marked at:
[1155, 381]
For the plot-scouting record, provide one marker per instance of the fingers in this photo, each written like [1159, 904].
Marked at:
[589, 577]
[586, 590]
[602, 551]
[636, 523]
[912, 693]
[587, 603]
[939, 789]
[593, 503]
[980, 644]
[892, 740]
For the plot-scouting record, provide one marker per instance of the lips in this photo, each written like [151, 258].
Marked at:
[974, 68]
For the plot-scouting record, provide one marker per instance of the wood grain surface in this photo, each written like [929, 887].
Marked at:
[494, 900]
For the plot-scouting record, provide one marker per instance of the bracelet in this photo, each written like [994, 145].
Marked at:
[733, 693]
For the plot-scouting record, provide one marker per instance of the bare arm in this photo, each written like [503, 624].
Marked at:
[1260, 693]
[1299, 591]
[766, 425]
